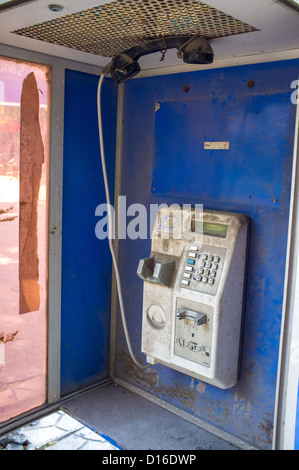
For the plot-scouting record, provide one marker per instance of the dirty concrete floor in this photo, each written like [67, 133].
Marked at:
[136, 423]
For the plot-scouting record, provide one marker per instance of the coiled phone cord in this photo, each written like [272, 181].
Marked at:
[110, 225]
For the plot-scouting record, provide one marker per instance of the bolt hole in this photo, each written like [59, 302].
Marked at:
[55, 8]
[251, 83]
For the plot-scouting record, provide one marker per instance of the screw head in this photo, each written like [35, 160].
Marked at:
[56, 8]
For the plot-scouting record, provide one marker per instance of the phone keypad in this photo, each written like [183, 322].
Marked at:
[203, 268]
[207, 268]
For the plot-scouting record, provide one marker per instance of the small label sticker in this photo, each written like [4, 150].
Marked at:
[216, 145]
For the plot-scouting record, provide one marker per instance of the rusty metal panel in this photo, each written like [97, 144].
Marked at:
[164, 161]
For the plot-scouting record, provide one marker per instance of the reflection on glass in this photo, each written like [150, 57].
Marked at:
[24, 135]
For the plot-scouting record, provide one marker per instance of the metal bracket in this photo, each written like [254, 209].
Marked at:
[155, 272]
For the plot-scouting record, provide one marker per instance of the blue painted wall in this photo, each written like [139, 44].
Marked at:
[164, 162]
[86, 261]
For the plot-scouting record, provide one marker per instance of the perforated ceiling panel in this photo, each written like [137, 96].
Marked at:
[109, 29]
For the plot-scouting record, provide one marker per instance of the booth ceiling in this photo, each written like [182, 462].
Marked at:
[109, 29]
[93, 31]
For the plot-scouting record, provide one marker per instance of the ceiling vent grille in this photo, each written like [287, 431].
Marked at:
[109, 29]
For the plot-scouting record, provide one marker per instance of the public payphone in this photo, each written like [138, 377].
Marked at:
[194, 293]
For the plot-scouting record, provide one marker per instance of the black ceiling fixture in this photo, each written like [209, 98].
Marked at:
[192, 49]
[291, 3]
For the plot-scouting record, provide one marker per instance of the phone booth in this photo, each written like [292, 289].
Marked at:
[149, 219]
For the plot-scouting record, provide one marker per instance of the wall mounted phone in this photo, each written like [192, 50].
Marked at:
[193, 293]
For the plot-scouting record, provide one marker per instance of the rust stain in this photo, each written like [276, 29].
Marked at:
[8, 216]
[149, 379]
[199, 386]
[31, 161]
[267, 428]
[8, 219]
[5, 338]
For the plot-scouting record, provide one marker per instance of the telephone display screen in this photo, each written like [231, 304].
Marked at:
[216, 230]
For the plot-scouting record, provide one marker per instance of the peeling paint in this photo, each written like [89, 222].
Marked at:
[199, 386]
[6, 337]
[241, 406]
[31, 161]
[6, 215]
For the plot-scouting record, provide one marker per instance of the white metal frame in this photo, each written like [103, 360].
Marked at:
[288, 374]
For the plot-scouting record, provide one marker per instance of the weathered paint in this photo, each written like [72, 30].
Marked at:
[168, 163]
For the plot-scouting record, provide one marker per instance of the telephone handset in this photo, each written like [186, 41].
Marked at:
[193, 293]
